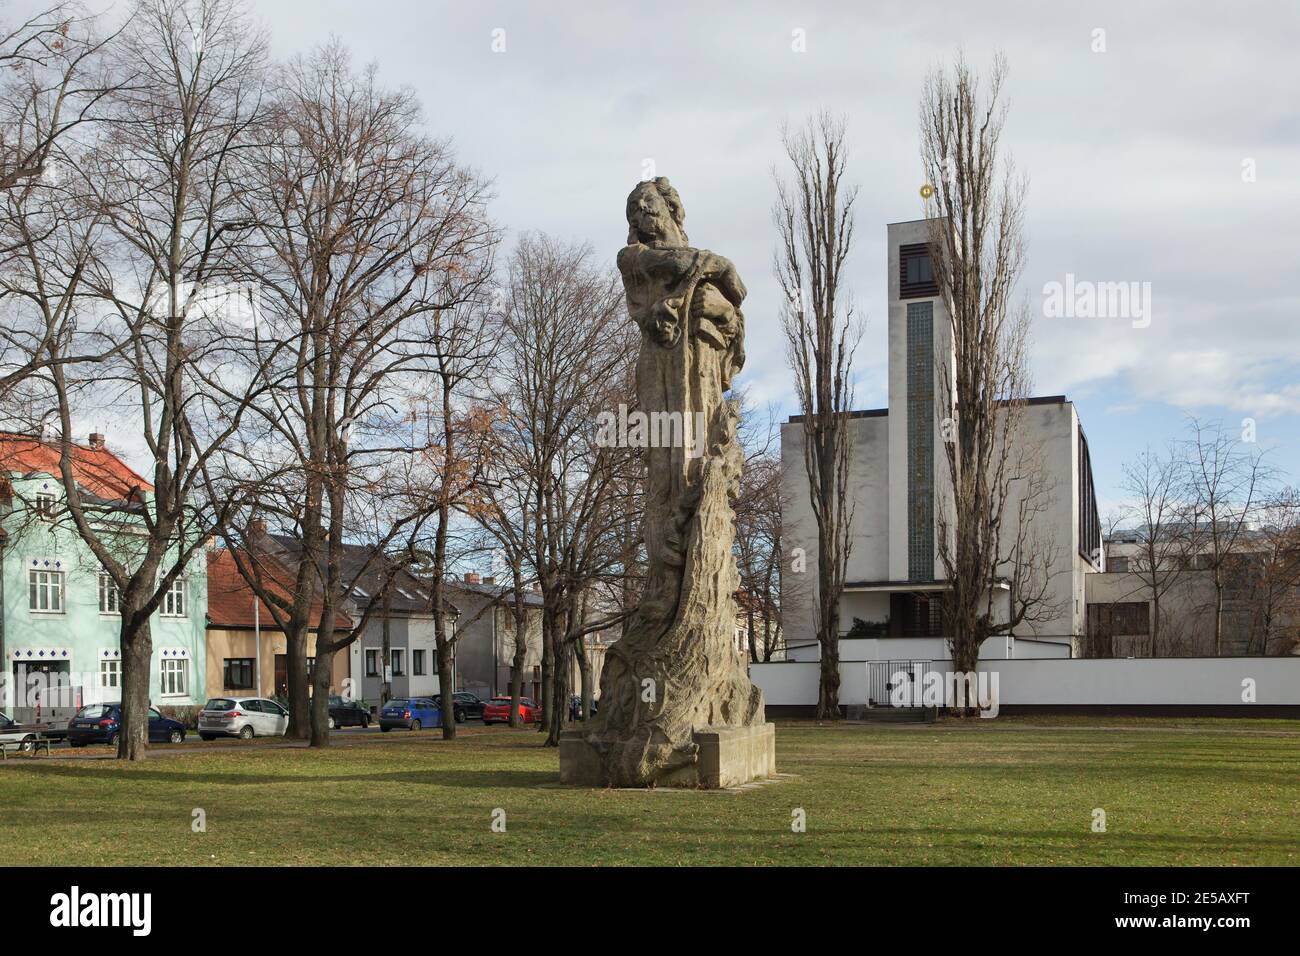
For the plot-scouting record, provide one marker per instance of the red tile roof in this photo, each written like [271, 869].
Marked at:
[230, 599]
[97, 470]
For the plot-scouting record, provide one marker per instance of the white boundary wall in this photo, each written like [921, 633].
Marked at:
[1193, 681]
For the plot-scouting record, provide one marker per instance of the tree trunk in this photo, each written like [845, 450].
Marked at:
[446, 687]
[828, 693]
[1155, 623]
[828, 635]
[548, 664]
[137, 658]
[295, 646]
[555, 709]
[320, 695]
[519, 660]
[1218, 614]
[584, 674]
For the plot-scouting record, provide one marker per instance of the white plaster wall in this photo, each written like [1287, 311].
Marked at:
[1175, 681]
[868, 556]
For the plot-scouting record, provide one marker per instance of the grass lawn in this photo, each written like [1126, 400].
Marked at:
[1010, 791]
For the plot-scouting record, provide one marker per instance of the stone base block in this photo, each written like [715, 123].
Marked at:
[728, 757]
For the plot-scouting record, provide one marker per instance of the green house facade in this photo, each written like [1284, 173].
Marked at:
[60, 631]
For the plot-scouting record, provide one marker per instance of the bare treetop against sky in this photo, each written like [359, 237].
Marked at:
[1161, 141]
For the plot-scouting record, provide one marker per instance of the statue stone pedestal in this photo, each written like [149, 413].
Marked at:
[725, 757]
[677, 708]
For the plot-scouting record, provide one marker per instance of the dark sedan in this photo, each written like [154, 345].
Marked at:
[348, 713]
[101, 724]
[466, 706]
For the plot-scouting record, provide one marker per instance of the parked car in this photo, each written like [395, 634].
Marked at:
[102, 723]
[244, 717]
[497, 711]
[575, 707]
[466, 706]
[15, 733]
[348, 713]
[410, 714]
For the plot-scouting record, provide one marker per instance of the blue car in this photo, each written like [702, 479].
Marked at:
[410, 714]
[100, 724]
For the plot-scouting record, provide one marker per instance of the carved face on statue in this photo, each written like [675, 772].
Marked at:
[655, 215]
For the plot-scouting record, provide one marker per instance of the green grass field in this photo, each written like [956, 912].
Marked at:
[1010, 791]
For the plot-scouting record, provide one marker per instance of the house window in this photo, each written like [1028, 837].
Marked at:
[372, 663]
[173, 602]
[110, 598]
[919, 269]
[1089, 523]
[45, 591]
[1118, 565]
[417, 663]
[396, 657]
[916, 272]
[238, 673]
[110, 674]
[1121, 619]
[173, 676]
[45, 505]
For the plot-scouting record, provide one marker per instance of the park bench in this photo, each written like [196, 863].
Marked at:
[22, 746]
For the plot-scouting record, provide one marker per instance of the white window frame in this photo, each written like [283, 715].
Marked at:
[110, 597]
[46, 582]
[174, 596]
[110, 674]
[44, 504]
[167, 675]
[397, 661]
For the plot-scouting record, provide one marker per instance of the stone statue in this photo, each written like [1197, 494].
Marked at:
[675, 689]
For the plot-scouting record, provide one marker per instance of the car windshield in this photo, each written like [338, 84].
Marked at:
[219, 703]
[399, 703]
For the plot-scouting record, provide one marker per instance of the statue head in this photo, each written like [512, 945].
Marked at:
[655, 214]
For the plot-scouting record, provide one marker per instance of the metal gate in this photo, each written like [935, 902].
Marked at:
[881, 682]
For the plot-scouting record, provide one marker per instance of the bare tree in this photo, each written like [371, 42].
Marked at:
[1226, 483]
[996, 488]
[1157, 486]
[161, 182]
[1272, 575]
[52, 85]
[758, 508]
[814, 219]
[370, 246]
[55, 81]
[564, 360]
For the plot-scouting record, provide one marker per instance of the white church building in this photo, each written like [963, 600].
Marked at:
[894, 578]
[890, 618]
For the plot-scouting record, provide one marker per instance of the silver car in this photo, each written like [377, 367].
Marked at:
[244, 717]
[12, 733]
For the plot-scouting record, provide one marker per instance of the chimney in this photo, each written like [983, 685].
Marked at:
[489, 580]
[257, 528]
[471, 577]
[96, 440]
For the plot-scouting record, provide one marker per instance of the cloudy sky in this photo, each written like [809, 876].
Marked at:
[1135, 156]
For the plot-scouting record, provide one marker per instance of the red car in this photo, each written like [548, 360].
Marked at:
[497, 711]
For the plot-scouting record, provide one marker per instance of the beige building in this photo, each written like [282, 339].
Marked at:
[246, 651]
